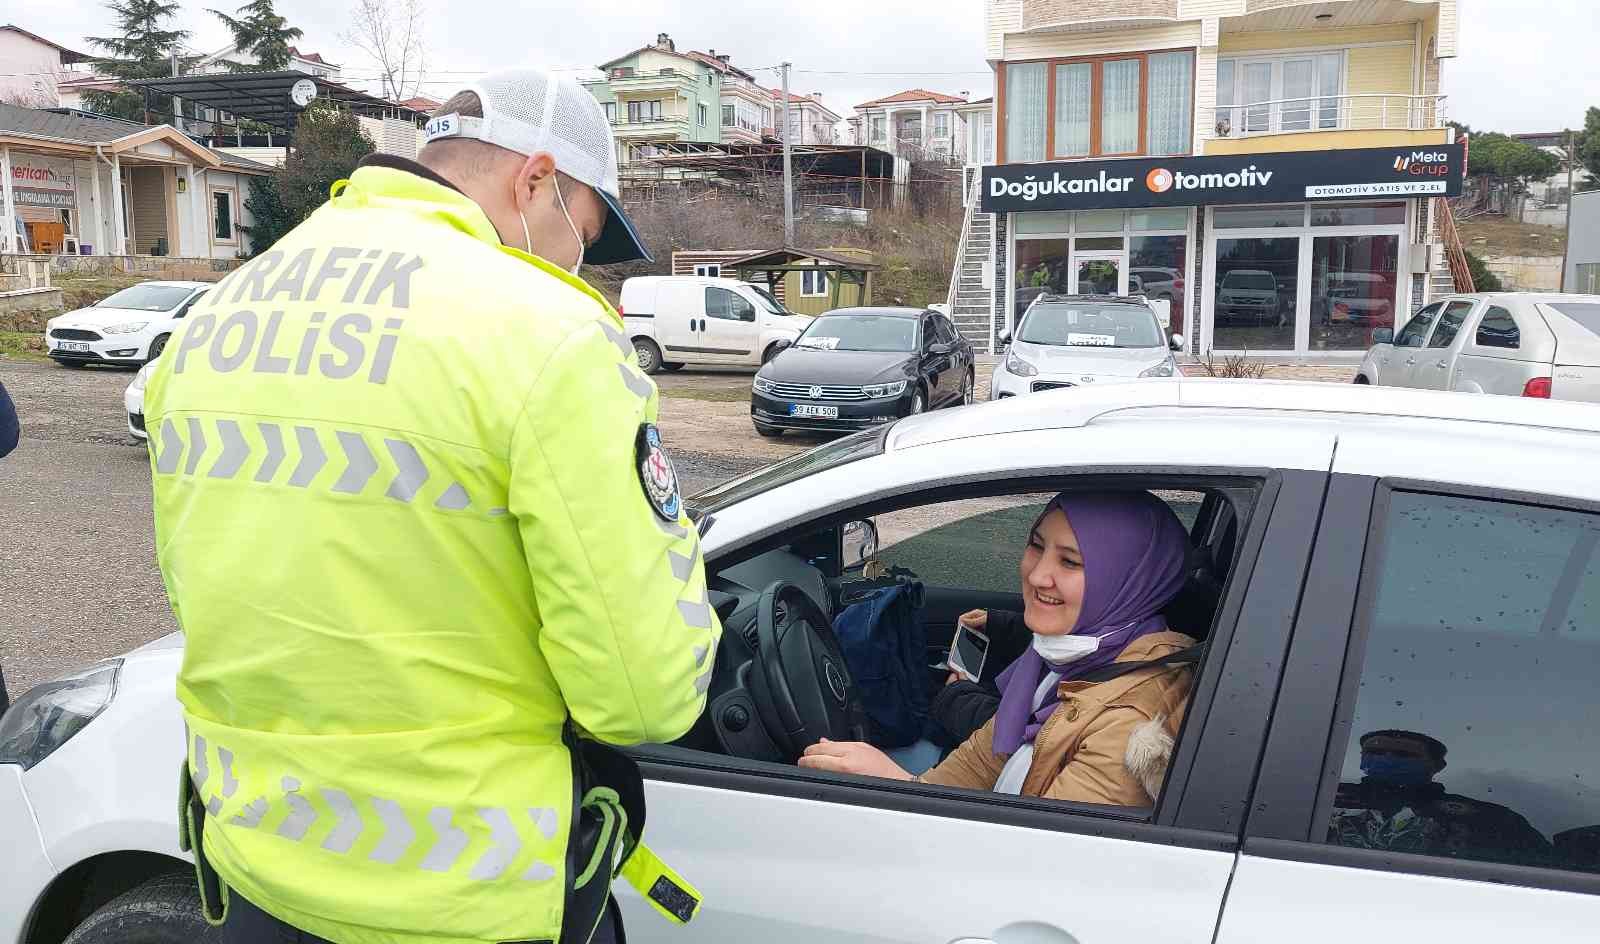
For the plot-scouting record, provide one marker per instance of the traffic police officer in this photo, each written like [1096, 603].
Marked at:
[416, 523]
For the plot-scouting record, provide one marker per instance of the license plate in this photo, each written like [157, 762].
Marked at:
[73, 346]
[820, 412]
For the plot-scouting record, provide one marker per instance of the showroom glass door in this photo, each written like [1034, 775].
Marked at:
[1100, 273]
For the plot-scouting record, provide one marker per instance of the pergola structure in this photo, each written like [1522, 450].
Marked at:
[867, 171]
[773, 264]
[264, 97]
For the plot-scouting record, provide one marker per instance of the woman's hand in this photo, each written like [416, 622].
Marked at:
[972, 619]
[851, 757]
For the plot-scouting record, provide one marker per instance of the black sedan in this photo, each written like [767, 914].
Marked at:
[858, 367]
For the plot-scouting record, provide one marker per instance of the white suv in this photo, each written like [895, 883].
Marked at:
[1390, 735]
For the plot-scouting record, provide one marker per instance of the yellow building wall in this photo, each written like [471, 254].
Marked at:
[1234, 43]
[1326, 141]
[1108, 42]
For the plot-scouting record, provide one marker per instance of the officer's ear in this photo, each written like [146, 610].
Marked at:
[535, 173]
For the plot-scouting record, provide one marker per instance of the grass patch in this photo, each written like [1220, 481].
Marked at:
[24, 346]
[709, 394]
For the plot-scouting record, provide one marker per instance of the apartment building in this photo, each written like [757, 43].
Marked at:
[810, 121]
[656, 94]
[1268, 170]
[915, 124]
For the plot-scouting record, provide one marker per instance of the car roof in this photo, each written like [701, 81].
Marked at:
[1352, 405]
[173, 283]
[884, 312]
[1110, 299]
[1539, 298]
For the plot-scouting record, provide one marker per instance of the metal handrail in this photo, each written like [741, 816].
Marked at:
[1460, 272]
[1364, 111]
[961, 244]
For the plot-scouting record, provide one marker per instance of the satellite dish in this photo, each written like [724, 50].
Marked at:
[303, 92]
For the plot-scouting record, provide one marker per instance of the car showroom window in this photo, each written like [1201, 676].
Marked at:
[1472, 734]
[1416, 330]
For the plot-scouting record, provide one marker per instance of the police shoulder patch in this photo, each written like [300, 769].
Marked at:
[656, 474]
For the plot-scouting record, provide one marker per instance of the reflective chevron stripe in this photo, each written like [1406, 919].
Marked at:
[412, 473]
[440, 849]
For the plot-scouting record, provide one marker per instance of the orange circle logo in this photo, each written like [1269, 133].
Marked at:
[1159, 180]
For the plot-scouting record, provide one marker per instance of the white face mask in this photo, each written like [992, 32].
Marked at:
[1060, 650]
[527, 239]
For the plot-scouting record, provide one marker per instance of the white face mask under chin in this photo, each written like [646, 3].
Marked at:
[527, 239]
[1060, 650]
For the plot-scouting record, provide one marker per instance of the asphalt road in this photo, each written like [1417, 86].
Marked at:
[78, 579]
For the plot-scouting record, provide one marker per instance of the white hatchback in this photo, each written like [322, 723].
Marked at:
[130, 327]
[1388, 736]
[1073, 340]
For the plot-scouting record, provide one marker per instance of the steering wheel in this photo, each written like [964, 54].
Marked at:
[800, 683]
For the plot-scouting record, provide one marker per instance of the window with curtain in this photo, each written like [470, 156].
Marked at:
[1027, 98]
[1226, 120]
[1074, 99]
[941, 124]
[1119, 107]
[1170, 103]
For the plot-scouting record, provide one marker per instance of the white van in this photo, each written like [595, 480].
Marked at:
[675, 320]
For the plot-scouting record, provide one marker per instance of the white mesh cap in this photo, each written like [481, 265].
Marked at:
[531, 110]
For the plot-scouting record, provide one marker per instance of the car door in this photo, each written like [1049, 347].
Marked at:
[784, 855]
[1435, 363]
[1426, 777]
[1389, 360]
[729, 331]
[680, 307]
[938, 361]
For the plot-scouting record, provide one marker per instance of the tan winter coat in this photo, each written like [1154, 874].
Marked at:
[1106, 742]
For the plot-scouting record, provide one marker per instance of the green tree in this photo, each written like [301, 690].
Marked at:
[327, 145]
[139, 51]
[260, 31]
[1482, 279]
[1589, 146]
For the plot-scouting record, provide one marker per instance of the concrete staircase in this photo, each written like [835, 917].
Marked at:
[971, 297]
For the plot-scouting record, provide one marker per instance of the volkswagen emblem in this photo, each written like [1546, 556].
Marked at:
[835, 680]
[816, 393]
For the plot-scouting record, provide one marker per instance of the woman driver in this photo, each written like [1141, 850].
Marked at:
[1096, 574]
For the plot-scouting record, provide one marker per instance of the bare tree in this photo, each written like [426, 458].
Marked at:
[390, 32]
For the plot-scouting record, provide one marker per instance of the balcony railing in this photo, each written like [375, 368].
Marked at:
[1366, 112]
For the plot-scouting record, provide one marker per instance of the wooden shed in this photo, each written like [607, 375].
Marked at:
[812, 281]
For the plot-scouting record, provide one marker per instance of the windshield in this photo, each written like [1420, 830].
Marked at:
[1090, 325]
[767, 301]
[1261, 282]
[1586, 314]
[148, 297]
[839, 452]
[885, 333]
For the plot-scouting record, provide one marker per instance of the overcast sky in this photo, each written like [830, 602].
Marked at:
[1523, 66]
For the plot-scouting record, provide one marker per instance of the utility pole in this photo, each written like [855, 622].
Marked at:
[177, 103]
[1572, 164]
[788, 178]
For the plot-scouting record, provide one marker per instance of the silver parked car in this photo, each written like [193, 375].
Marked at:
[1519, 344]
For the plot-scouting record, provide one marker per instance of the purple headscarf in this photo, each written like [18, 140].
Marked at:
[1134, 549]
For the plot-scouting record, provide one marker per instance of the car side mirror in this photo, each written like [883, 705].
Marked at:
[858, 543]
[780, 345]
[1383, 336]
[1004, 337]
[1176, 342]
[940, 347]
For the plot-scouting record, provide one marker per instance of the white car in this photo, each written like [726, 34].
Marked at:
[1250, 295]
[1517, 344]
[674, 320]
[1074, 340]
[130, 327]
[133, 401]
[1388, 738]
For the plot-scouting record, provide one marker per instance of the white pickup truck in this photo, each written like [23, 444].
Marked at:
[1512, 343]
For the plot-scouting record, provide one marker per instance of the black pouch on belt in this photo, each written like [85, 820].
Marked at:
[608, 805]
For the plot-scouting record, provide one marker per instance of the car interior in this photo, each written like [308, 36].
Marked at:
[782, 679]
